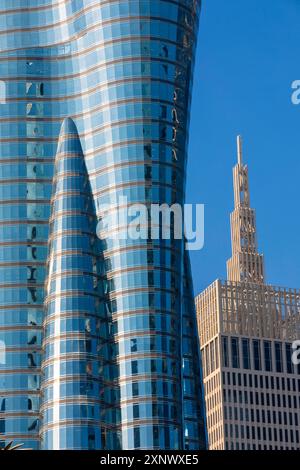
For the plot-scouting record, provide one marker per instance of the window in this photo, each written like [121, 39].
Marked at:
[268, 356]
[225, 351]
[246, 353]
[235, 353]
[2, 92]
[134, 367]
[288, 353]
[135, 389]
[136, 411]
[256, 354]
[278, 357]
[137, 440]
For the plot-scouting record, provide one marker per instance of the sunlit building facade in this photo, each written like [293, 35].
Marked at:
[247, 329]
[103, 89]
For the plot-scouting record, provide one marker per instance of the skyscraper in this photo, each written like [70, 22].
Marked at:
[246, 327]
[102, 88]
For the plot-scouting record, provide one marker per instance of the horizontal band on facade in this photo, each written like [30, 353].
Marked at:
[15, 435]
[26, 285]
[24, 306]
[111, 274]
[118, 336]
[112, 361]
[154, 399]
[114, 317]
[88, 92]
[98, 46]
[107, 253]
[90, 154]
[20, 327]
[122, 122]
[101, 23]
[67, 193]
[105, 64]
[93, 132]
[10, 202]
[23, 222]
[31, 263]
[28, 242]
[29, 370]
[131, 184]
[63, 2]
[128, 163]
[103, 424]
[61, 214]
[113, 296]
[71, 400]
[26, 180]
[104, 234]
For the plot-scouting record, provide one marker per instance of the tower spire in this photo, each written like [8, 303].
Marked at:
[245, 264]
[239, 149]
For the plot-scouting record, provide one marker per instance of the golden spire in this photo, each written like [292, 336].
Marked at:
[246, 264]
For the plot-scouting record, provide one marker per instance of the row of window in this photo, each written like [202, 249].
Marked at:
[260, 398]
[261, 433]
[247, 446]
[261, 381]
[261, 416]
[255, 354]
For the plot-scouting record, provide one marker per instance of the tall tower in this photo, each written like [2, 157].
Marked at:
[122, 72]
[246, 331]
[246, 264]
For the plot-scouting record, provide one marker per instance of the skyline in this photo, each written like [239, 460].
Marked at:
[237, 86]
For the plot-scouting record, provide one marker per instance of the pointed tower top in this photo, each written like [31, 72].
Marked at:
[68, 127]
[246, 264]
[239, 149]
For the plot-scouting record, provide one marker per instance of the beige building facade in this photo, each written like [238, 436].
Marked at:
[247, 329]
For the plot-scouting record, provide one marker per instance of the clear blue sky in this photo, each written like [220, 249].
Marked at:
[248, 56]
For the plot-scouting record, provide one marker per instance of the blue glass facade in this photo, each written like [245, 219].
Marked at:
[120, 366]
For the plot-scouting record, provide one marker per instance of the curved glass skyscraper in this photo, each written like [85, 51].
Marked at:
[99, 332]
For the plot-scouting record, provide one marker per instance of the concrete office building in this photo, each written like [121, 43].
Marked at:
[246, 327]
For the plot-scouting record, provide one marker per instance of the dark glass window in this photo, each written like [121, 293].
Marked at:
[135, 389]
[268, 356]
[137, 440]
[246, 353]
[256, 354]
[136, 411]
[288, 353]
[278, 357]
[235, 353]
[225, 351]
[134, 367]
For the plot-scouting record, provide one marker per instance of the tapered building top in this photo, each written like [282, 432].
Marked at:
[246, 264]
[73, 292]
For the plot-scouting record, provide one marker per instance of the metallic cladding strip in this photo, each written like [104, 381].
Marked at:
[103, 64]
[121, 19]
[83, 335]
[122, 315]
[94, 131]
[113, 295]
[52, 6]
[74, 377]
